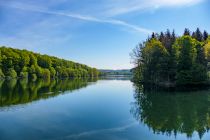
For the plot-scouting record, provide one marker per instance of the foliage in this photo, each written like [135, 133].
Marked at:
[23, 63]
[173, 114]
[208, 74]
[23, 74]
[45, 74]
[207, 50]
[167, 59]
[155, 60]
[11, 73]
[1, 74]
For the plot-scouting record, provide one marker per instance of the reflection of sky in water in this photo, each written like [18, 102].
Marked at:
[98, 112]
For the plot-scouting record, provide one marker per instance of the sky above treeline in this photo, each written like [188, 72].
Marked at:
[99, 33]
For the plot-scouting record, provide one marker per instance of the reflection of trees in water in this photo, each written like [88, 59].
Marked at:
[14, 91]
[173, 113]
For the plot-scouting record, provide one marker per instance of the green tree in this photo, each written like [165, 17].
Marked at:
[38, 71]
[198, 35]
[11, 73]
[33, 59]
[52, 72]
[64, 73]
[44, 61]
[201, 58]
[45, 74]
[207, 53]
[166, 59]
[1, 74]
[205, 35]
[186, 32]
[186, 57]
[28, 64]
[0, 60]
[154, 57]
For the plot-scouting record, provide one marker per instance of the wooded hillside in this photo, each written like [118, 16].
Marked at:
[26, 64]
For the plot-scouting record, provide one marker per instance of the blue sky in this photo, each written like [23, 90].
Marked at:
[99, 33]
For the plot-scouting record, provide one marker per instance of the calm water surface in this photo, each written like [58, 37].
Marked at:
[99, 110]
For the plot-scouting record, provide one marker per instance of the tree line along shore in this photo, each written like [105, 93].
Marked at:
[16, 63]
[166, 59]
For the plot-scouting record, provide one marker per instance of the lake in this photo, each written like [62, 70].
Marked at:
[106, 109]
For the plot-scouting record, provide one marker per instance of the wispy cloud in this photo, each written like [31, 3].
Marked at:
[109, 9]
[117, 7]
[79, 17]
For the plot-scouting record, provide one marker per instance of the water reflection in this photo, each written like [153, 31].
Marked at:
[13, 92]
[173, 113]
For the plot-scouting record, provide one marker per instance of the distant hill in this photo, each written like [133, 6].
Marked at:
[15, 63]
[115, 72]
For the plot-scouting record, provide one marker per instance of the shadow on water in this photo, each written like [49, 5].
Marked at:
[173, 113]
[14, 92]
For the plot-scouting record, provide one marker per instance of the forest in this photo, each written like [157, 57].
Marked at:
[15, 63]
[169, 60]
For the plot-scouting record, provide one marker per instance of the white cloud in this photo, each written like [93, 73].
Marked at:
[117, 7]
[80, 17]
[109, 9]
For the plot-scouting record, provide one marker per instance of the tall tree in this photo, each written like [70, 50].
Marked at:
[186, 31]
[198, 35]
[201, 58]
[205, 35]
[154, 61]
[174, 60]
[186, 52]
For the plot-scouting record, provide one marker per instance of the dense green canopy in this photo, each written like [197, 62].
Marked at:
[167, 60]
[22, 63]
